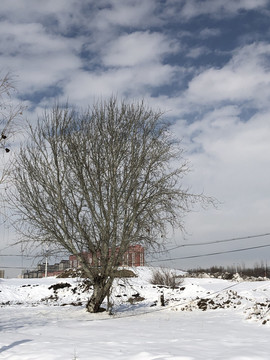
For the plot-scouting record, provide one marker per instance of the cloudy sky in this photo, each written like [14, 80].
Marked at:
[205, 63]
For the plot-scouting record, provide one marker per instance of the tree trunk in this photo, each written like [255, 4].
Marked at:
[100, 291]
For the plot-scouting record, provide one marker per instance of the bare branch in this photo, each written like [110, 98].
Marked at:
[9, 112]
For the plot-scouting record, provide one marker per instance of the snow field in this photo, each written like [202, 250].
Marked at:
[204, 319]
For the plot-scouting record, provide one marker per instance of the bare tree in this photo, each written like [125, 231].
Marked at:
[8, 113]
[100, 181]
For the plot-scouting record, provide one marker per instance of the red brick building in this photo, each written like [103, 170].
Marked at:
[133, 257]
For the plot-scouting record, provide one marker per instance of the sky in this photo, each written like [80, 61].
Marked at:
[206, 64]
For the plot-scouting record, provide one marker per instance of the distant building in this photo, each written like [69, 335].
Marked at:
[52, 270]
[134, 256]
[2, 274]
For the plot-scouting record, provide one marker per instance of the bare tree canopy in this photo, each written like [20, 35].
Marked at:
[100, 181]
[9, 111]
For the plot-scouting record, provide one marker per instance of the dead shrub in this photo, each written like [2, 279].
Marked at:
[165, 277]
[124, 273]
[135, 299]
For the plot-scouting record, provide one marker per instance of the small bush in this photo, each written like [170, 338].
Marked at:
[165, 277]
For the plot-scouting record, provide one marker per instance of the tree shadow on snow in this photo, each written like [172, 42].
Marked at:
[15, 343]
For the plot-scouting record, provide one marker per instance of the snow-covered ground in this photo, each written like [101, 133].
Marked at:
[205, 319]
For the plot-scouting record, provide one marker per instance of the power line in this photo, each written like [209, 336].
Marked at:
[211, 254]
[7, 247]
[218, 241]
[178, 246]
[212, 242]
[26, 256]
[185, 245]
[16, 267]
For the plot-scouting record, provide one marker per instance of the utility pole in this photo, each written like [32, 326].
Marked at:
[22, 255]
[46, 267]
[46, 263]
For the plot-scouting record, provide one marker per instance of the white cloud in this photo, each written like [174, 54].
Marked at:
[230, 160]
[197, 51]
[43, 7]
[219, 8]
[229, 154]
[56, 16]
[30, 40]
[134, 82]
[209, 32]
[37, 50]
[138, 48]
[245, 77]
[40, 59]
[131, 13]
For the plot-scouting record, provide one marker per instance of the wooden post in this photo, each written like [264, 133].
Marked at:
[161, 299]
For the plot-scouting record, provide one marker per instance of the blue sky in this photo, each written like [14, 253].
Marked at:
[205, 63]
